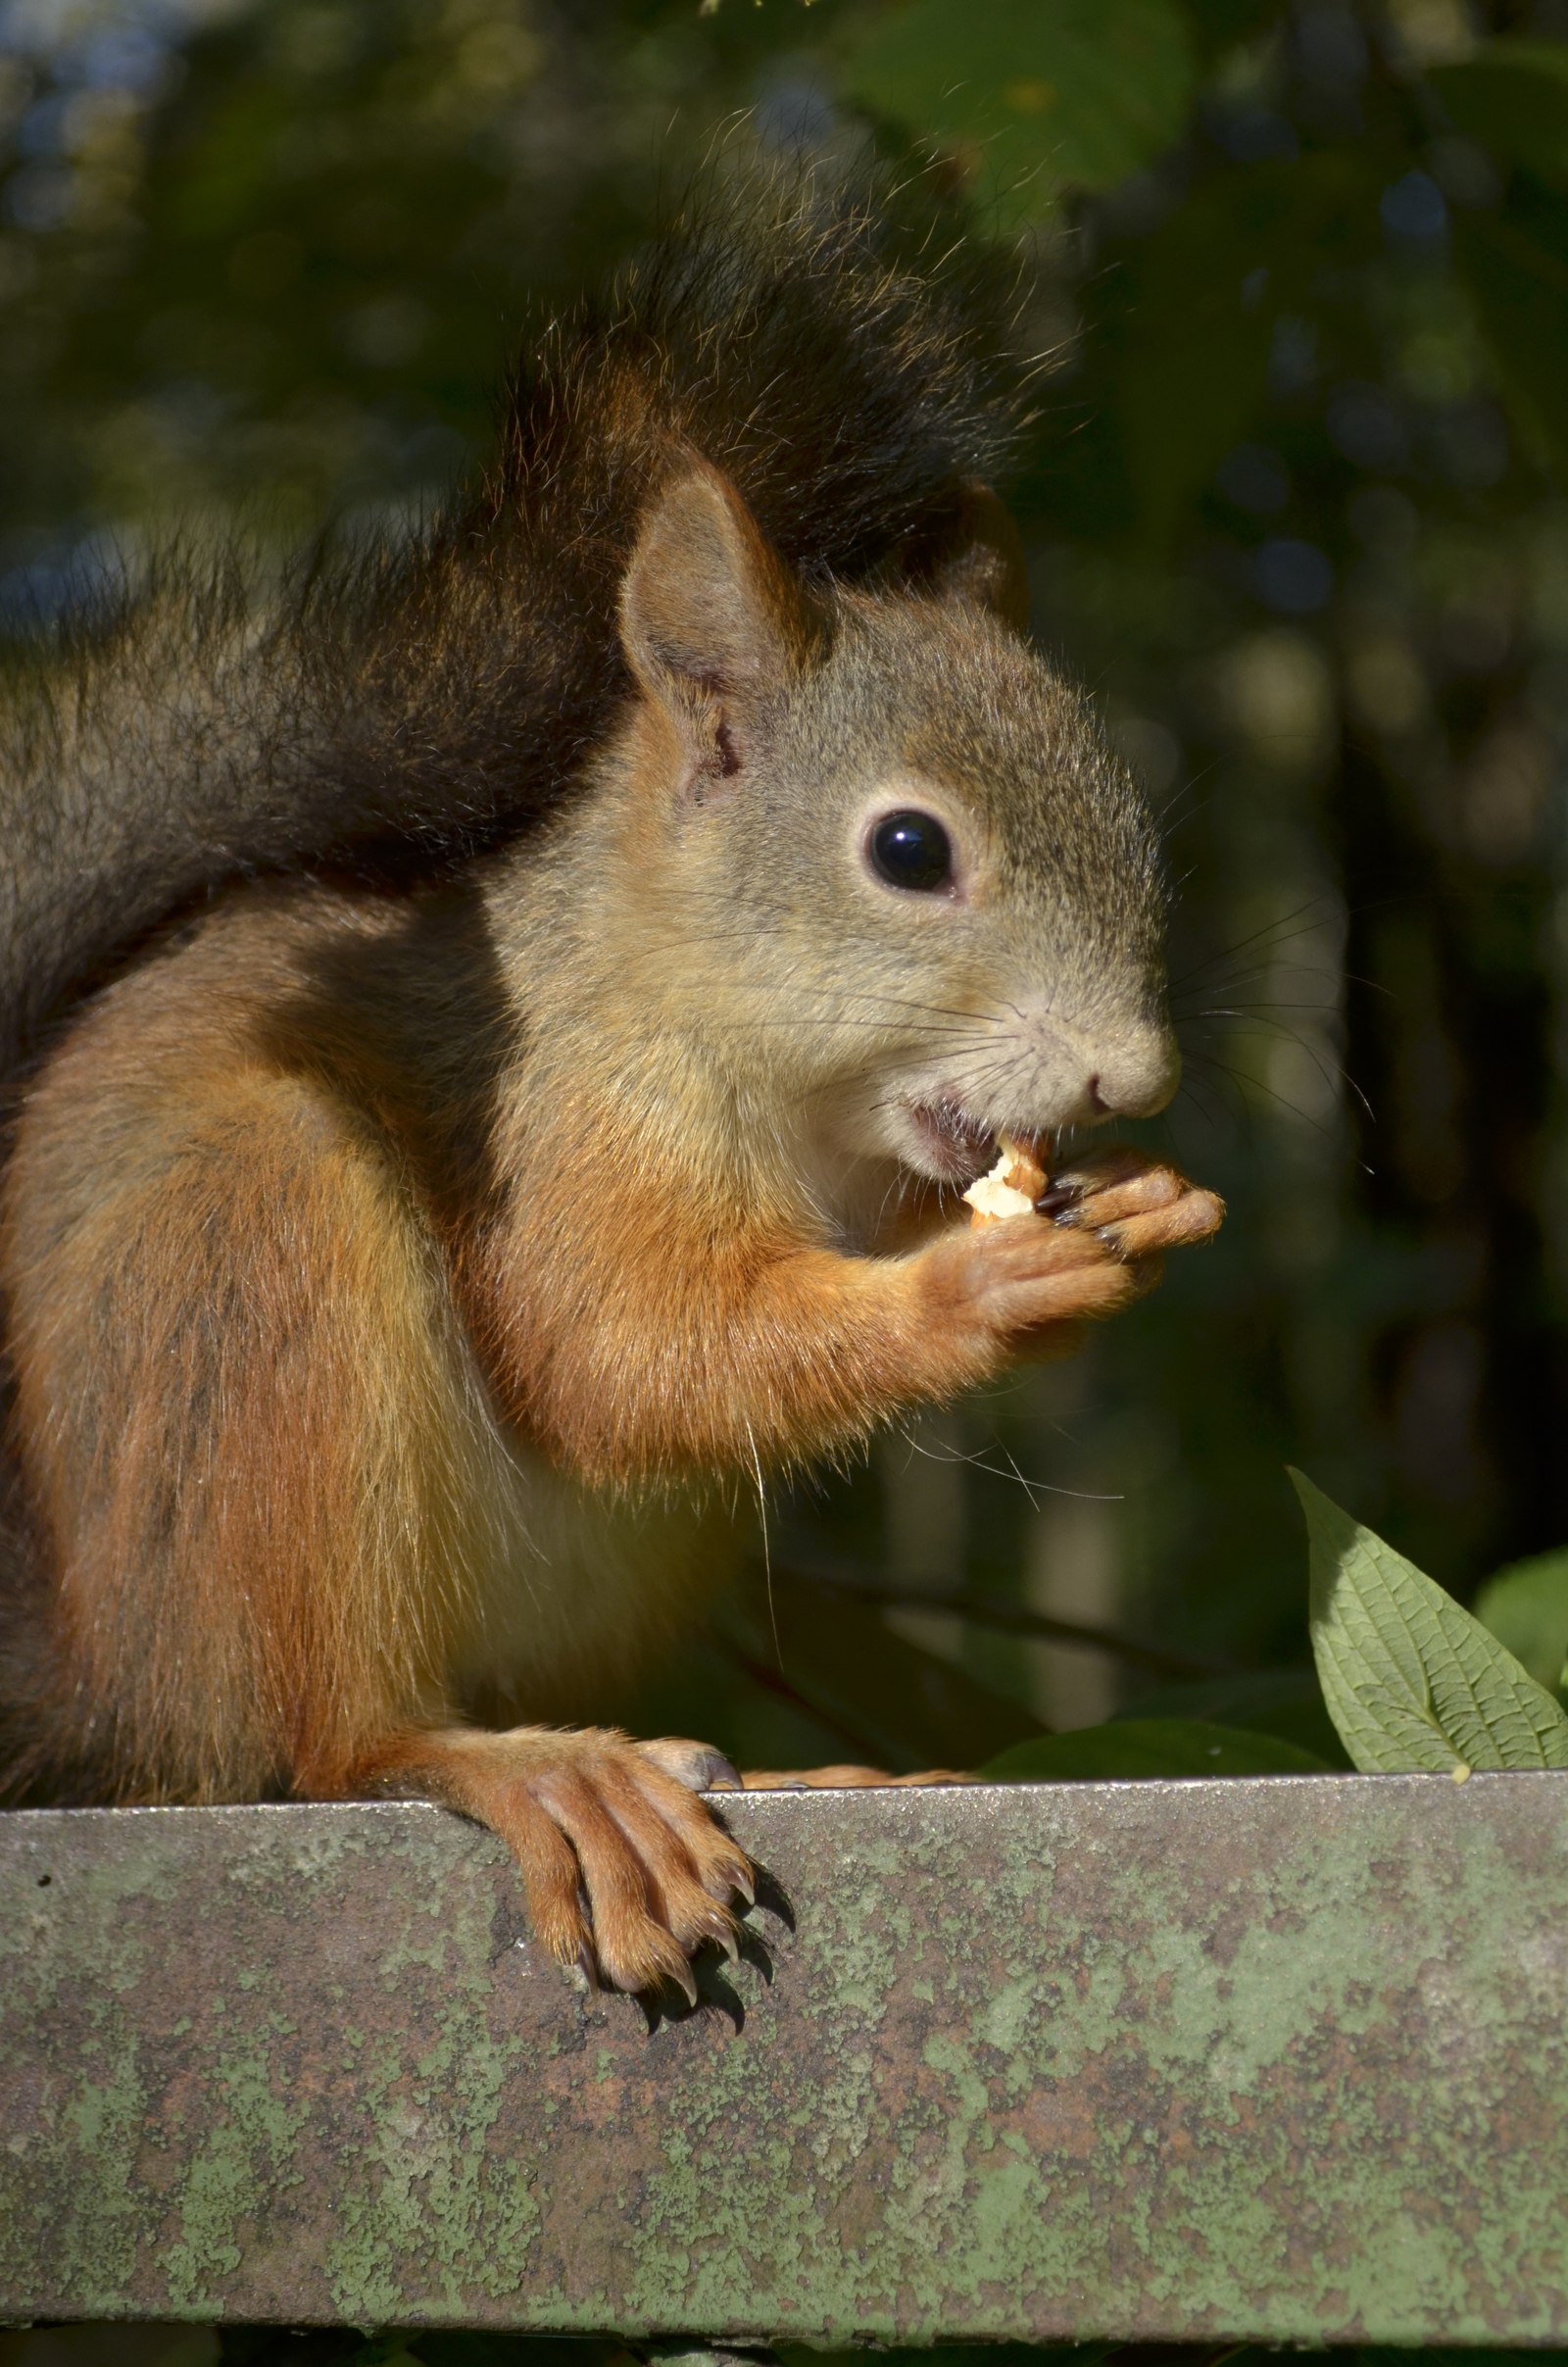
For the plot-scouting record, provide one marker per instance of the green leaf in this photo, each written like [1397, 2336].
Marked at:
[1040, 93]
[1526, 1608]
[1513, 97]
[1411, 1681]
[1136, 1749]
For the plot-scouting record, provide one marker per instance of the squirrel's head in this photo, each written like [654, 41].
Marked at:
[885, 860]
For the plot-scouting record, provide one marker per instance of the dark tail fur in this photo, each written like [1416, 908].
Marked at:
[839, 352]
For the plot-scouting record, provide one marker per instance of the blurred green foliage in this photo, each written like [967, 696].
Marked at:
[1526, 1608]
[1130, 1749]
[1028, 97]
[1300, 290]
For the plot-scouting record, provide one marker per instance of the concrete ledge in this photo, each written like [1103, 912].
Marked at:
[1278, 2058]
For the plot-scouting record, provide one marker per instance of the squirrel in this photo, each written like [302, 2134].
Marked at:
[497, 1032]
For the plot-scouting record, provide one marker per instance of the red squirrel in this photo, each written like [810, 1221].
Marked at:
[496, 1038]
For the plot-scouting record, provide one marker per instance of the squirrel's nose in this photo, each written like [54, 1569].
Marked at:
[1114, 1066]
[1140, 1078]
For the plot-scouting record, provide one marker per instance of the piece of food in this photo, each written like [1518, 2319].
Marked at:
[1011, 1187]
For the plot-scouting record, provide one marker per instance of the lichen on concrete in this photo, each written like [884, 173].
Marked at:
[1262, 2059]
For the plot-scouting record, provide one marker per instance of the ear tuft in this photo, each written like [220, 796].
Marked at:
[710, 615]
[975, 553]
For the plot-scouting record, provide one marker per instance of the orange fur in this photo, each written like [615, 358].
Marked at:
[258, 1522]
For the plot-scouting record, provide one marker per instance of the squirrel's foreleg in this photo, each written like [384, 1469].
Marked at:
[644, 1344]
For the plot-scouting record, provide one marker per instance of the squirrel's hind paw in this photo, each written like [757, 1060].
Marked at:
[628, 1875]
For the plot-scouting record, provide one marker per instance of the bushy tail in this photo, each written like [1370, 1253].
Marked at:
[838, 350]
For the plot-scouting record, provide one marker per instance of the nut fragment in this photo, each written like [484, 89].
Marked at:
[1011, 1187]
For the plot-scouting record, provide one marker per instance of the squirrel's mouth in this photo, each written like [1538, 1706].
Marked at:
[957, 1147]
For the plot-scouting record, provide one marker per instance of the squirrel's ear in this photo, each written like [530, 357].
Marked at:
[713, 623]
[976, 553]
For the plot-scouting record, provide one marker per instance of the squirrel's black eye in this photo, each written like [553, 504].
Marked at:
[911, 851]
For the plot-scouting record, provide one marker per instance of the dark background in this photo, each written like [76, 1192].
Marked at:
[1301, 277]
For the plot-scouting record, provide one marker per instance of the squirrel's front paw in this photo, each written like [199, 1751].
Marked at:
[1091, 1247]
[626, 1872]
[1002, 1286]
